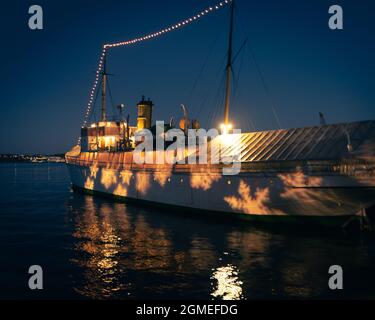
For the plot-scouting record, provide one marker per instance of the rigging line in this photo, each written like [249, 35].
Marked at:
[110, 96]
[265, 87]
[210, 114]
[204, 101]
[95, 100]
[236, 88]
[192, 90]
[215, 95]
[91, 112]
[172, 28]
[251, 119]
[211, 110]
[109, 90]
[219, 109]
[220, 97]
[236, 80]
[223, 99]
[243, 45]
[218, 101]
[248, 123]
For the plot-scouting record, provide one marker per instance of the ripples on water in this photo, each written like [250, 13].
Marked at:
[95, 248]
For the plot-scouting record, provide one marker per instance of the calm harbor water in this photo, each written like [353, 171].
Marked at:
[92, 247]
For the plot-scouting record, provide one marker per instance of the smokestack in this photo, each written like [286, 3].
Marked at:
[144, 120]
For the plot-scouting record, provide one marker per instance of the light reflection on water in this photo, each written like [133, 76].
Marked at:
[111, 243]
[228, 286]
[96, 248]
[134, 252]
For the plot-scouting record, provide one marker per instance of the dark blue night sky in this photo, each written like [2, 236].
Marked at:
[307, 68]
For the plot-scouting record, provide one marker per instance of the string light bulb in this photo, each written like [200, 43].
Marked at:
[174, 27]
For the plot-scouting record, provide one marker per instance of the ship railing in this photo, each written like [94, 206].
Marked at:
[311, 167]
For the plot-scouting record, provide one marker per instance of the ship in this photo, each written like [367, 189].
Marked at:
[319, 175]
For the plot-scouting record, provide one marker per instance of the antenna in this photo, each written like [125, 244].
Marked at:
[229, 67]
[121, 108]
[104, 89]
[186, 118]
[127, 131]
[322, 119]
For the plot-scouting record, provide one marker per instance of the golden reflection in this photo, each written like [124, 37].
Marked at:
[122, 253]
[99, 247]
[250, 203]
[111, 243]
[203, 181]
[90, 180]
[89, 183]
[299, 179]
[202, 254]
[151, 246]
[125, 177]
[143, 182]
[228, 287]
[106, 236]
[120, 191]
[162, 177]
[108, 178]
[123, 184]
[251, 246]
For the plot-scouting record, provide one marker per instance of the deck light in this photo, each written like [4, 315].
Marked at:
[226, 128]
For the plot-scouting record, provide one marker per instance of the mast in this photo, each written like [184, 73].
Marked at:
[229, 66]
[104, 89]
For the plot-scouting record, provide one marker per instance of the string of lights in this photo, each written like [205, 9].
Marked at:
[150, 36]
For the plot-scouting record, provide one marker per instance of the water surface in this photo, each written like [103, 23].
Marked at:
[91, 247]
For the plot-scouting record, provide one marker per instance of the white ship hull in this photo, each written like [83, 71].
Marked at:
[284, 175]
[256, 195]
